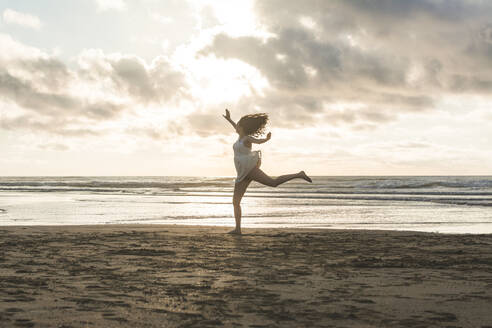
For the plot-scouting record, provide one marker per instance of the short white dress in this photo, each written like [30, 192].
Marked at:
[244, 159]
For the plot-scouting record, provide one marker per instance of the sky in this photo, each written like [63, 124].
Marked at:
[122, 87]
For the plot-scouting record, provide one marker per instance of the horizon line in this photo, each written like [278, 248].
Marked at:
[233, 177]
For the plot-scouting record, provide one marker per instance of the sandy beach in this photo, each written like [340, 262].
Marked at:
[189, 276]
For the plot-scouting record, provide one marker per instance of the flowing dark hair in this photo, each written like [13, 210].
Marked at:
[253, 124]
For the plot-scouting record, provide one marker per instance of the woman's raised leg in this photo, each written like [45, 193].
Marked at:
[239, 190]
[259, 176]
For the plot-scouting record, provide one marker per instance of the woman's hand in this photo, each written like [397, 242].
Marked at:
[227, 116]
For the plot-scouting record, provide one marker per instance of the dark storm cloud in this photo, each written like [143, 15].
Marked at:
[392, 56]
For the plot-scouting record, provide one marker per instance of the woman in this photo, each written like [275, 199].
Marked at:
[248, 162]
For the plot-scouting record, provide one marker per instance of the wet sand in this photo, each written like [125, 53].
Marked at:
[176, 276]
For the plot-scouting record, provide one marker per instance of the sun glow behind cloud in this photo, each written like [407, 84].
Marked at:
[237, 18]
[224, 81]
[346, 95]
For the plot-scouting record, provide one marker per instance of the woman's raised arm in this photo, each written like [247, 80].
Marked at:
[227, 116]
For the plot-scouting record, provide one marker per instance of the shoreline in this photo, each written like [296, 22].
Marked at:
[139, 274]
[222, 229]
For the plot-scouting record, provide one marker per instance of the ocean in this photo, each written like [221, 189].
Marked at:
[445, 204]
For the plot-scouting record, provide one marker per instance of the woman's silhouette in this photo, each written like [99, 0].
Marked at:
[248, 162]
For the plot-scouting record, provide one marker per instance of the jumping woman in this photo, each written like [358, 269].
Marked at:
[248, 162]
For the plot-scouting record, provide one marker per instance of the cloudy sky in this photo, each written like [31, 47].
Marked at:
[138, 87]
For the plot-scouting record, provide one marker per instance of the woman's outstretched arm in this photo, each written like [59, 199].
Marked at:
[227, 116]
[260, 141]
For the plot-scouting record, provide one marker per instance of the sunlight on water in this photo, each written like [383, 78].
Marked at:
[433, 204]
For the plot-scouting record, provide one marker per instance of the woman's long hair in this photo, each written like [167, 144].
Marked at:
[253, 124]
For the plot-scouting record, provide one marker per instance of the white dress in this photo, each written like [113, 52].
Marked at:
[244, 159]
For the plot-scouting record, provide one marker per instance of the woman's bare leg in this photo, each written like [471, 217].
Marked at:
[239, 190]
[259, 176]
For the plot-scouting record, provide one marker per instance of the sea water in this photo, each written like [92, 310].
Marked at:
[447, 204]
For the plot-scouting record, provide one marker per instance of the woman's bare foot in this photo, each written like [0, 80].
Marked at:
[305, 177]
[234, 232]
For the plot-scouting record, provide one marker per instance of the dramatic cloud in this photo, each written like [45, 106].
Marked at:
[148, 83]
[40, 93]
[356, 87]
[27, 20]
[391, 57]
